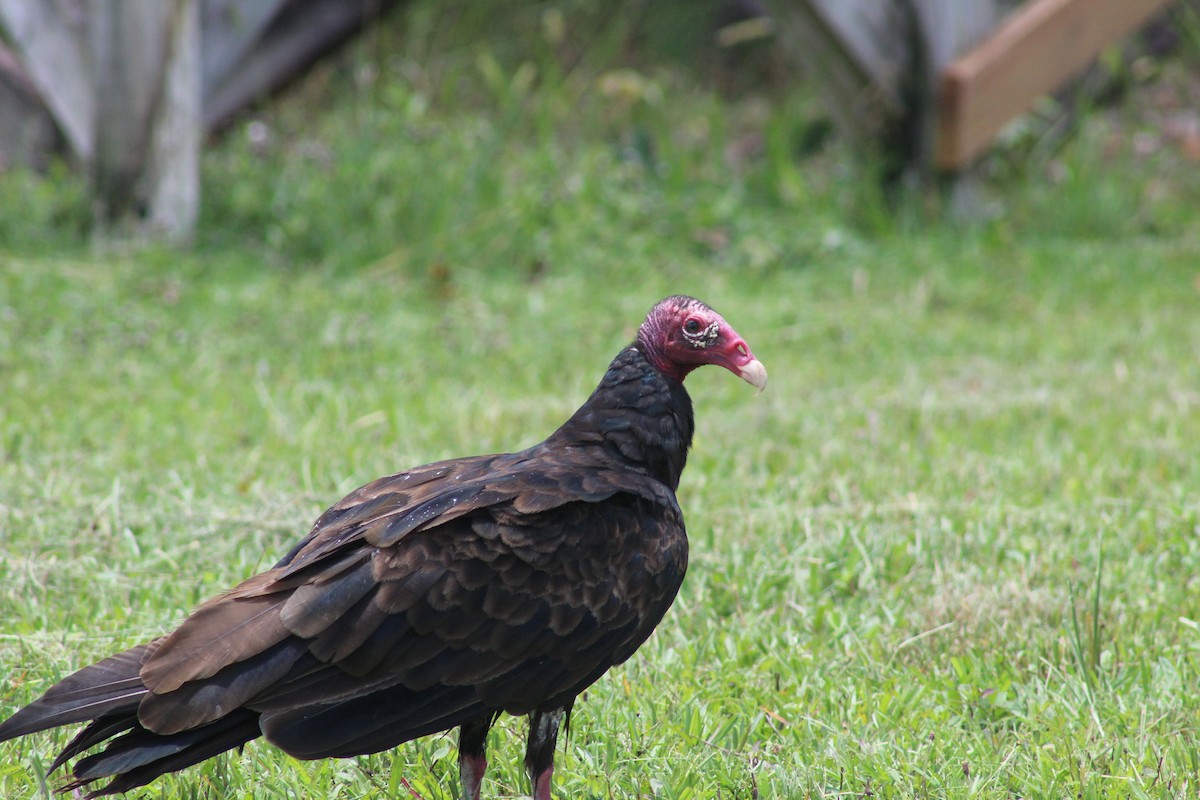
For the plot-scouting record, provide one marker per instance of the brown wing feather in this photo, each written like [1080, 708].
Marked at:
[528, 579]
[520, 650]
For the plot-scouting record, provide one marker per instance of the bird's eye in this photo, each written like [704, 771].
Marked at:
[692, 326]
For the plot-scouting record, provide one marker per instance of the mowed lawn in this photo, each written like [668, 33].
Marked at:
[951, 552]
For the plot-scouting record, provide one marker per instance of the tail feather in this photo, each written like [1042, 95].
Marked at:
[107, 695]
[111, 686]
[99, 731]
[140, 748]
[139, 756]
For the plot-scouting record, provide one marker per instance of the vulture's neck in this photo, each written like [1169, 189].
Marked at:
[637, 417]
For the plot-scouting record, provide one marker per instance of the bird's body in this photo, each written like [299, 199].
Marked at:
[433, 598]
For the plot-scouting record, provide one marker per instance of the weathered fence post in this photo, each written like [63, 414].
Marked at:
[876, 62]
[48, 36]
[133, 85]
[145, 60]
[930, 82]
[27, 131]
[174, 168]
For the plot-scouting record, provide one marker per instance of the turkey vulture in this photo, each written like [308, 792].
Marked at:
[433, 598]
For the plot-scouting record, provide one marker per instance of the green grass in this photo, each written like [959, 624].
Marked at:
[949, 553]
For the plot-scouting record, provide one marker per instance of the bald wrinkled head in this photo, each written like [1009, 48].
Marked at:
[681, 333]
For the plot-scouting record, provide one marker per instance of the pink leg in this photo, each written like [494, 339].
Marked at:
[541, 783]
[470, 774]
[472, 757]
[539, 750]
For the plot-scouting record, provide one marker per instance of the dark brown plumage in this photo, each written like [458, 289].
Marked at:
[433, 598]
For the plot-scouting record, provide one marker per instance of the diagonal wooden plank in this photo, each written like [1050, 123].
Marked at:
[875, 62]
[299, 34]
[49, 37]
[855, 60]
[27, 131]
[230, 29]
[1038, 47]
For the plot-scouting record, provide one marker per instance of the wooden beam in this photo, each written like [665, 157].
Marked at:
[949, 28]
[27, 131]
[876, 62]
[249, 48]
[952, 27]
[231, 28]
[50, 40]
[1040, 46]
[146, 63]
[173, 166]
[128, 41]
[849, 50]
[299, 34]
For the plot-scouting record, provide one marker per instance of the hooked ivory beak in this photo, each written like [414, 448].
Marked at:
[754, 373]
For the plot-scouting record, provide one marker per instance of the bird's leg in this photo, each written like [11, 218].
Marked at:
[472, 755]
[539, 751]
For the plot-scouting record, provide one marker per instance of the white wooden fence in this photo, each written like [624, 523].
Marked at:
[133, 86]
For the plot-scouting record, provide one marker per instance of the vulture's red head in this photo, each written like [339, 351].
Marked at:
[681, 333]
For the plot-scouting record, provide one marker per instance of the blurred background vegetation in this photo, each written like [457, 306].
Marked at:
[456, 126]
